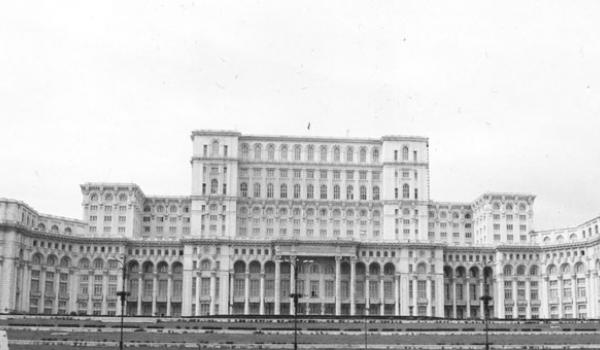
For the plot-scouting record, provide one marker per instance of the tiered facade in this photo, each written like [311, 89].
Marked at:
[354, 216]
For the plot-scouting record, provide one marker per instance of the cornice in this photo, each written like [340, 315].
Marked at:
[204, 132]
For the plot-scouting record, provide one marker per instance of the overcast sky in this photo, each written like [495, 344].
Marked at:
[507, 91]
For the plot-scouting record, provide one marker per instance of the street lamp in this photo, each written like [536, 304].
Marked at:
[297, 295]
[366, 329]
[486, 302]
[123, 294]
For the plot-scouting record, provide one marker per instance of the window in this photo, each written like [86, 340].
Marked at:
[363, 193]
[297, 152]
[405, 191]
[283, 191]
[284, 152]
[245, 151]
[310, 154]
[310, 191]
[296, 191]
[256, 190]
[323, 152]
[336, 192]
[336, 154]
[375, 155]
[363, 155]
[214, 186]
[270, 190]
[323, 192]
[244, 189]
[349, 154]
[375, 193]
[349, 193]
[405, 153]
[257, 152]
[271, 152]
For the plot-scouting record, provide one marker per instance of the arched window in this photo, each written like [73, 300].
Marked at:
[173, 209]
[375, 193]
[65, 262]
[84, 263]
[310, 191]
[336, 192]
[283, 191]
[375, 155]
[323, 194]
[284, 152]
[215, 148]
[94, 197]
[310, 153]
[533, 270]
[405, 191]
[51, 261]
[579, 268]
[122, 197]
[565, 269]
[297, 152]
[269, 190]
[257, 151]
[336, 154]
[363, 155]
[214, 186]
[296, 191]
[245, 151]
[108, 197]
[162, 267]
[520, 270]
[271, 152]
[98, 264]
[349, 154]
[363, 193]
[256, 190]
[421, 269]
[349, 193]
[323, 152]
[405, 153]
[54, 229]
[205, 265]
[509, 207]
[507, 270]
[244, 189]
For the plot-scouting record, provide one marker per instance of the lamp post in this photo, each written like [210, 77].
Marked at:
[486, 302]
[123, 294]
[297, 295]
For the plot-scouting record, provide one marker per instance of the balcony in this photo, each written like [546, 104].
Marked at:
[35, 294]
[176, 298]
[49, 294]
[97, 297]
[63, 296]
[82, 296]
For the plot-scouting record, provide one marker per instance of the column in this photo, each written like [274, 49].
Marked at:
[574, 294]
[415, 297]
[154, 287]
[428, 294]
[367, 293]
[90, 292]
[454, 298]
[41, 302]
[119, 288]
[105, 278]
[139, 296]
[590, 294]
[277, 286]
[467, 292]
[262, 294]
[499, 297]
[543, 290]
[481, 307]
[527, 298]
[381, 295]
[352, 288]
[292, 285]
[337, 286]
[198, 279]
[560, 296]
[213, 286]
[396, 295]
[247, 294]
[169, 287]
[404, 299]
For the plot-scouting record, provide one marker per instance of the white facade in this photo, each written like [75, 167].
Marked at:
[354, 214]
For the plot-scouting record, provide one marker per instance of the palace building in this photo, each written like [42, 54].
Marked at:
[353, 217]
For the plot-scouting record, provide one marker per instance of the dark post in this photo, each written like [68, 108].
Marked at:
[366, 325]
[295, 296]
[486, 302]
[123, 294]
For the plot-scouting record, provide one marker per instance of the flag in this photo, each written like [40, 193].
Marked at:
[308, 127]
